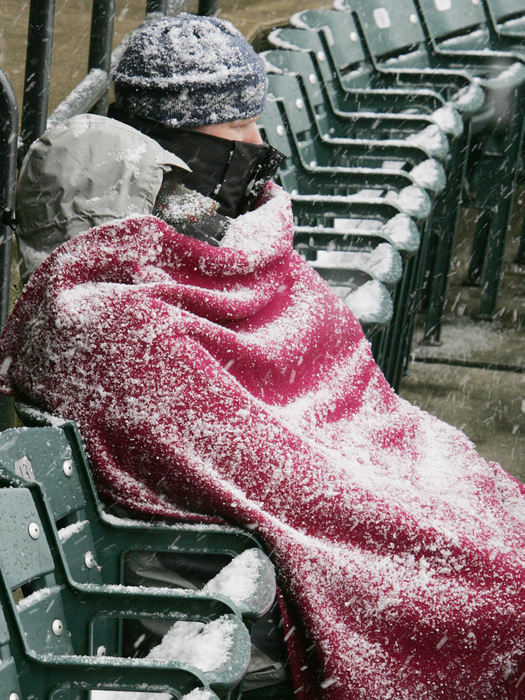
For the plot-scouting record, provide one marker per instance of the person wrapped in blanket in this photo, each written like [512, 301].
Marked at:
[212, 372]
[187, 149]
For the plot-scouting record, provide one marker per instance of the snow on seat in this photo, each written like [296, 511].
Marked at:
[402, 232]
[412, 200]
[448, 119]
[430, 175]
[510, 78]
[469, 99]
[248, 580]
[383, 262]
[432, 139]
[371, 303]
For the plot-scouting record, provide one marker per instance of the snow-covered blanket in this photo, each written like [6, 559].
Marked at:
[230, 381]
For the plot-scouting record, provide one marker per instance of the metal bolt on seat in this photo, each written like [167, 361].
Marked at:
[57, 627]
[34, 531]
[67, 467]
[89, 560]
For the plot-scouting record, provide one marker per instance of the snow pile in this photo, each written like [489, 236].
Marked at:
[206, 646]
[432, 139]
[468, 99]
[371, 302]
[276, 40]
[511, 77]
[412, 200]
[430, 174]
[383, 262]
[66, 532]
[402, 232]
[448, 120]
[35, 597]
[237, 580]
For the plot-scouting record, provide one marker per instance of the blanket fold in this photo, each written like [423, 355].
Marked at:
[229, 381]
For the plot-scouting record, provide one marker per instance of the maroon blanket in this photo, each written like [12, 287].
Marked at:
[231, 381]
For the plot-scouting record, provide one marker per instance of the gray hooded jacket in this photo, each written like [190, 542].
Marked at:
[83, 173]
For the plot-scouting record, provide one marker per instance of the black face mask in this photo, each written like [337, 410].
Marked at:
[231, 172]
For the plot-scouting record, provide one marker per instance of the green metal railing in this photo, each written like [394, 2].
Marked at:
[8, 146]
[91, 95]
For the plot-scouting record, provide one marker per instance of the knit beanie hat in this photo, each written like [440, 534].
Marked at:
[189, 71]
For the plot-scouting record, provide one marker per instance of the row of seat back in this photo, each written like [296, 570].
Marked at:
[329, 36]
[331, 115]
[395, 46]
[498, 147]
[316, 193]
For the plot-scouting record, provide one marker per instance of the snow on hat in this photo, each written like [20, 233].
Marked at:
[190, 71]
[85, 172]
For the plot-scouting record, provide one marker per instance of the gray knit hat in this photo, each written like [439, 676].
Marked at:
[190, 71]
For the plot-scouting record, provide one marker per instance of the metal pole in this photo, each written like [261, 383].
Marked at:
[101, 43]
[8, 147]
[156, 6]
[38, 70]
[208, 7]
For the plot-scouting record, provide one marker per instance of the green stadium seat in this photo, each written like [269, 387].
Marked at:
[54, 630]
[327, 100]
[507, 18]
[51, 461]
[463, 27]
[355, 65]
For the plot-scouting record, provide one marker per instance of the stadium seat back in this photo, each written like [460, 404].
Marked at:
[341, 35]
[299, 118]
[448, 18]
[27, 566]
[391, 27]
[45, 456]
[506, 10]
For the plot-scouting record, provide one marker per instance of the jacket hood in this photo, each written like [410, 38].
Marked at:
[85, 172]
